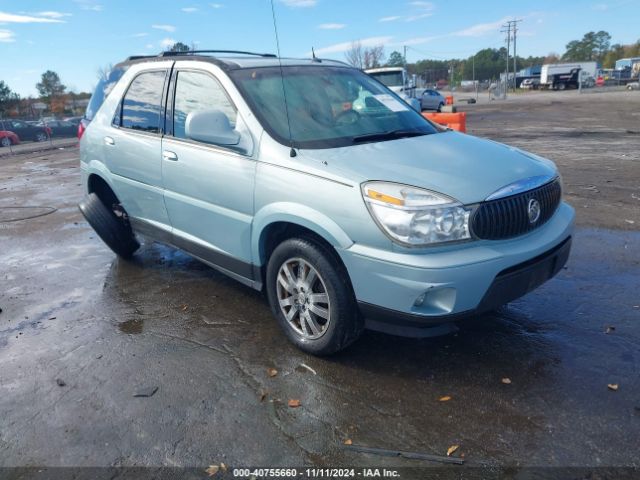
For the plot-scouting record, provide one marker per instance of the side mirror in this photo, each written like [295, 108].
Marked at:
[211, 126]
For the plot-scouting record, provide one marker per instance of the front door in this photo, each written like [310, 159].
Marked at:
[208, 188]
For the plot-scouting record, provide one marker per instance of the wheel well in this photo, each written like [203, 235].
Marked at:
[277, 232]
[101, 188]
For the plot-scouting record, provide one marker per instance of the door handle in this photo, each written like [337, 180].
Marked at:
[109, 141]
[167, 155]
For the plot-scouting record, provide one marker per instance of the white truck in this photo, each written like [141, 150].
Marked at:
[558, 76]
[398, 80]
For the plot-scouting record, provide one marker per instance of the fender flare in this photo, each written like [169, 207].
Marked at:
[296, 214]
[95, 167]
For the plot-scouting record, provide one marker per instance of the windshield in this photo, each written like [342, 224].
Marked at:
[328, 106]
[390, 79]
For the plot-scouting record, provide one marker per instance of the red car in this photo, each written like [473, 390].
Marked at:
[8, 138]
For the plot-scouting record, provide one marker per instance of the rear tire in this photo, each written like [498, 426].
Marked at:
[440, 107]
[5, 142]
[561, 86]
[319, 316]
[113, 230]
[41, 137]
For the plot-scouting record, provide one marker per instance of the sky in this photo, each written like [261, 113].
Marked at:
[78, 37]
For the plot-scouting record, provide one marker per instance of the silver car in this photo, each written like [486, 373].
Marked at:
[262, 168]
[432, 100]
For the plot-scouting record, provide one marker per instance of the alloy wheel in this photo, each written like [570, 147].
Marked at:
[303, 298]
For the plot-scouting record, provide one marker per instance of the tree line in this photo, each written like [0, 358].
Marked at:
[489, 63]
[52, 92]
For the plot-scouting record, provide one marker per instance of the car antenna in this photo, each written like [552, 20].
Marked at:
[313, 56]
[292, 152]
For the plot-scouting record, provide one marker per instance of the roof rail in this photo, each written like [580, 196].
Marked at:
[138, 57]
[196, 52]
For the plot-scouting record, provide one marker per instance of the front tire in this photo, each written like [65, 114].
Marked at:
[41, 137]
[440, 107]
[5, 142]
[311, 297]
[114, 230]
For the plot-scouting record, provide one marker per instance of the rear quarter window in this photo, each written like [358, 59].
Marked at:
[103, 89]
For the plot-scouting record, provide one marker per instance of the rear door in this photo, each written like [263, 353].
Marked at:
[208, 188]
[133, 147]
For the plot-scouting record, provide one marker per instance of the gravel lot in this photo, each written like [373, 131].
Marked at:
[81, 333]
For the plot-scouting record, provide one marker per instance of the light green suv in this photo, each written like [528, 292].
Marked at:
[346, 218]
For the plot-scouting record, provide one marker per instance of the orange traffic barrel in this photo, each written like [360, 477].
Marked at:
[454, 121]
[449, 99]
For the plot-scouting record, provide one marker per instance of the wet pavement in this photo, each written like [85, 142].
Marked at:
[81, 333]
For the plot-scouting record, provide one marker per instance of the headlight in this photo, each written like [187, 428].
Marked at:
[414, 216]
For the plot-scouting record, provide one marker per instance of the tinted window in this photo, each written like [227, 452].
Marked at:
[141, 103]
[197, 91]
[103, 88]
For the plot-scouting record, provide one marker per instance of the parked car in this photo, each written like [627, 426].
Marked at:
[432, 100]
[633, 86]
[26, 131]
[74, 120]
[8, 138]
[530, 84]
[346, 220]
[61, 128]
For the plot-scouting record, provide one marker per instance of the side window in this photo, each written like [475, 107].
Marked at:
[141, 104]
[197, 91]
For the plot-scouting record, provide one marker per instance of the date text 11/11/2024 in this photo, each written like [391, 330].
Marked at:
[315, 473]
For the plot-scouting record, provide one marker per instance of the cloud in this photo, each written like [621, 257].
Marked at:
[166, 28]
[600, 7]
[300, 3]
[53, 14]
[419, 10]
[12, 18]
[216, 5]
[480, 29]
[423, 5]
[90, 5]
[7, 36]
[413, 18]
[416, 41]
[168, 42]
[189, 9]
[390, 19]
[344, 46]
[331, 26]
[140, 35]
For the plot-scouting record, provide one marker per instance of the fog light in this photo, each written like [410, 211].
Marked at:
[420, 300]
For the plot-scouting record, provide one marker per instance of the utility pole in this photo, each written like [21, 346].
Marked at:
[404, 57]
[506, 72]
[511, 28]
[515, 56]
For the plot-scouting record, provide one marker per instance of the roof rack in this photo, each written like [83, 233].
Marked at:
[196, 52]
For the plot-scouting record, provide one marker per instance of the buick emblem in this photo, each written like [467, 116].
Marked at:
[533, 210]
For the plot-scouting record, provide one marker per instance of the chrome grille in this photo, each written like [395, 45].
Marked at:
[509, 216]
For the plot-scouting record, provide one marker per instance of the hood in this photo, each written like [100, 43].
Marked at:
[464, 167]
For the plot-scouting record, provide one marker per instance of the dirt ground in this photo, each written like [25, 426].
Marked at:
[82, 333]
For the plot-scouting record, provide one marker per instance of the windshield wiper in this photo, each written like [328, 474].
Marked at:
[390, 135]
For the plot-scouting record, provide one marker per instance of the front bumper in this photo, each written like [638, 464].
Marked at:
[402, 292]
